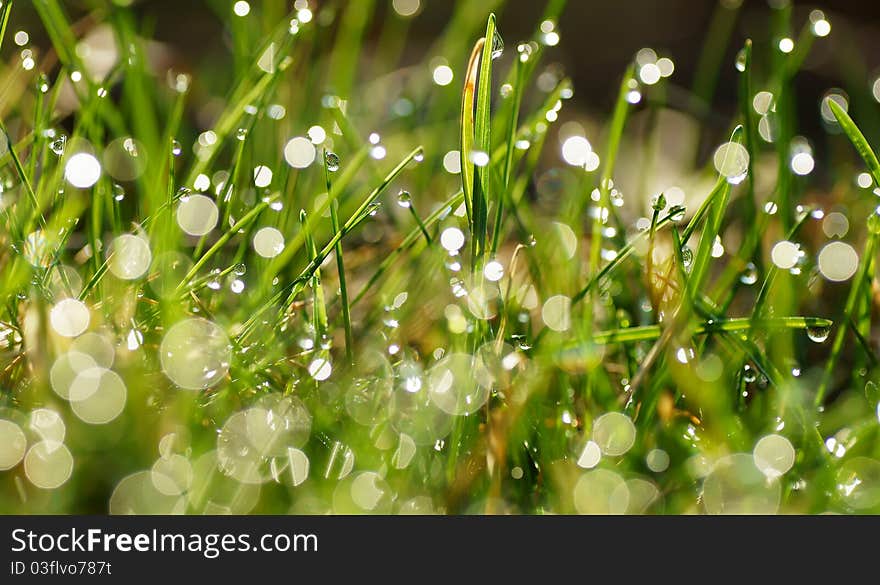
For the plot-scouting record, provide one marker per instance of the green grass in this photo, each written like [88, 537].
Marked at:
[589, 345]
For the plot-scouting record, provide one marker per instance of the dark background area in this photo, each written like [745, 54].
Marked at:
[598, 39]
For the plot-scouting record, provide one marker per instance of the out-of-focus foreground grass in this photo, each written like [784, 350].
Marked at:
[312, 278]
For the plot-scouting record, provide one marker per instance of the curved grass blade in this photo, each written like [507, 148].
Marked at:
[864, 149]
[652, 332]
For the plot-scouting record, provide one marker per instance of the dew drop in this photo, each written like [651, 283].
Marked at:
[404, 199]
[749, 276]
[818, 334]
[331, 159]
[57, 145]
[740, 62]
[497, 45]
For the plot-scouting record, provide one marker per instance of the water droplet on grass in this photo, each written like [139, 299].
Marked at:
[497, 45]
[57, 145]
[404, 199]
[749, 275]
[740, 62]
[818, 334]
[332, 161]
[176, 148]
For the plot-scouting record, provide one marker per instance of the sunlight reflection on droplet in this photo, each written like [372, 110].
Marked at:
[65, 281]
[774, 455]
[317, 134]
[69, 317]
[171, 475]
[452, 239]
[641, 495]
[452, 387]
[364, 492]
[590, 455]
[299, 152]
[48, 464]
[858, 483]
[838, 261]
[47, 425]
[732, 161]
[297, 470]
[202, 182]
[241, 8]
[576, 150]
[839, 97]
[268, 242]
[785, 254]
[567, 238]
[405, 7]
[262, 176]
[835, 225]
[442, 75]
[406, 450]
[650, 73]
[97, 346]
[802, 163]
[130, 257]
[97, 395]
[137, 494]
[197, 215]
[13, 444]
[237, 455]
[763, 102]
[736, 486]
[195, 354]
[493, 271]
[657, 460]
[82, 170]
[819, 24]
[213, 492]
[556, 313]
[600, 491]
[786, 45]
[320, 369]
[65, 370]
[452, 162]
[615, 433]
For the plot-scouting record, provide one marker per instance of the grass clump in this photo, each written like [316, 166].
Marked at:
[310, 277]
